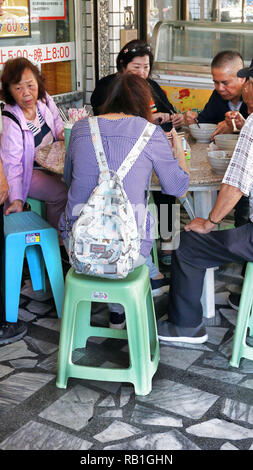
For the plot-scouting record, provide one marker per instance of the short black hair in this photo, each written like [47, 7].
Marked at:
[224, 57]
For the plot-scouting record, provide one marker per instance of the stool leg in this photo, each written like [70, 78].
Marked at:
[14, 258]
[51, 253]
[250, 324]
[82, 325]
[66, 341]
[36, 267]
[155, 255]
[152, 323]
[139, 346]
[242, 319]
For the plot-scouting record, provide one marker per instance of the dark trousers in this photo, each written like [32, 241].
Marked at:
[159, 199]
[241, 213]
[2, 309]
[195, 254]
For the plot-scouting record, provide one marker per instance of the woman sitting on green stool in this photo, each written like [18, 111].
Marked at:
[124, 117]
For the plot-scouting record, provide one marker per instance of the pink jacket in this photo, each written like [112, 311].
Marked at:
[17, 149]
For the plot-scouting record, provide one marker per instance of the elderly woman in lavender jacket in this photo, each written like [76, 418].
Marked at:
[124, 116]
[32, 121]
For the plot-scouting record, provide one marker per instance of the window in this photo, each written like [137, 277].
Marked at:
[52, 43]
[200, 29]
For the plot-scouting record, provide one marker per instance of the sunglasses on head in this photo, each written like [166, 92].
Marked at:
[136, 49]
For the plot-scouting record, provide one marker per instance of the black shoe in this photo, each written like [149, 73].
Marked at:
[160, 286]
[117, 321]
[234, 300]
[64, 254]
[11, 332]
[169, 332]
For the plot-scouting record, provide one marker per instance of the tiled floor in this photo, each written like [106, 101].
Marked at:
[198, 402]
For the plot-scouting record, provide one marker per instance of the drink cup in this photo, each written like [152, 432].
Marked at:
[67, 131]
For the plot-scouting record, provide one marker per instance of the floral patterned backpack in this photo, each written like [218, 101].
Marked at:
[104, 241]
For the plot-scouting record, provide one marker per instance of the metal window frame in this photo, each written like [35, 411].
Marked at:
[79, 44]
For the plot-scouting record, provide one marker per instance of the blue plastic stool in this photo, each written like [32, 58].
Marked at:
[27, 233]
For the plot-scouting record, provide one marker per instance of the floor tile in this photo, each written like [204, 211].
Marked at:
[223, 376]
[216, 334]
[238, 411]
[18, 387]
[172, 440]
[15, 351]
[116, 431]
[178, 358]
[143, 415]
[74, 409]
[5, 370]
[221, 429]
[180, 399]
[37, 436]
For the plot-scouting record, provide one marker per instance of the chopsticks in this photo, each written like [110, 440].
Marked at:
[62, 114]
[180, 134]
[197, 122]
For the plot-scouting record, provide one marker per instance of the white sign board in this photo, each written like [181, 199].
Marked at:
[40, 54]
[48, 9]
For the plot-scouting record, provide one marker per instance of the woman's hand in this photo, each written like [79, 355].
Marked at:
[15, 206]
[176, 143]
[61, 135]
[4, 188]
[177, 120]
[161, 118]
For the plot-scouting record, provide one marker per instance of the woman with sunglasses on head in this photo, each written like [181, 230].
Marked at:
[136, 57]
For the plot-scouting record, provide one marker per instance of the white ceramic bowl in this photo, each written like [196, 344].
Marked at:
[226, 141]
[202, 134]
[218, 160]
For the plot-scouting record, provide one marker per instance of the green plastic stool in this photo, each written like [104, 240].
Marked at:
[134, 293]
[244, 321]
[37, 206]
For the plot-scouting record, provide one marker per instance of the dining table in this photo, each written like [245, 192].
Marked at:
[199, 201]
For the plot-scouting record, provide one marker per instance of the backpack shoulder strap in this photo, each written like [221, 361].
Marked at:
[11, 116]
[97, 142]
[134, 153]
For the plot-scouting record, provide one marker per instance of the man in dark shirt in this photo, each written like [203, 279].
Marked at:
[226, 96]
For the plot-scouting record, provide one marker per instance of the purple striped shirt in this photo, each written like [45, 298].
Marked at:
[118, 137]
